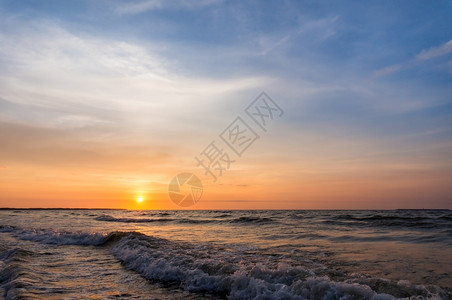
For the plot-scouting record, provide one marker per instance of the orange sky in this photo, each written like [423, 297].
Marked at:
[101, 104]
[45, 173]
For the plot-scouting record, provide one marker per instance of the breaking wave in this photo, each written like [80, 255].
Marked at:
[67, 238]
[204, 268]
[194, 270]
[241, 220]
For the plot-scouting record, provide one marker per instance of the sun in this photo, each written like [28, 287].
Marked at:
[140, 199]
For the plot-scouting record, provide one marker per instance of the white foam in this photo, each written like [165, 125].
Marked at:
[204, 269]
[156, 260]
[61, 238]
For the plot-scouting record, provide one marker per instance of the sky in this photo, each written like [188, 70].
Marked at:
[105, 102]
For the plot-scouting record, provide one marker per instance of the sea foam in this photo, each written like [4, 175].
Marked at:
[168, 262]
[202, 268]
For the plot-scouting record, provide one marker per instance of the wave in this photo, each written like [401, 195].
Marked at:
[228, 276]
[419, 215]
[246, 220]
[202, 268]
[15, 253]
[15, 273]
[196, 221]
[382, 218]
[50, 237]
[407, 221]
[222, 216]
[108, 218]
[7, 228]
[164, 214]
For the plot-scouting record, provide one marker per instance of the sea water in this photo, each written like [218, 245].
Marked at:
[298, 254]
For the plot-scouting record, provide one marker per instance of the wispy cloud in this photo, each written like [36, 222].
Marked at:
[308, 30]
[423, 56]
[138, 7]
[59, 85]
[388, 70]
[441, 50]
[63, 71]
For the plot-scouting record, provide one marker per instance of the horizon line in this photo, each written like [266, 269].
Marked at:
[86, 208]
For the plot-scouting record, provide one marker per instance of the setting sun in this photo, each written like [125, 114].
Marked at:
[140, 199]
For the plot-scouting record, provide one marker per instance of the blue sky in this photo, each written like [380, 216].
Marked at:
[364, 84]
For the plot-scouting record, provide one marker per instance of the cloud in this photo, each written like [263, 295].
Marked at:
[424, 55]
[76, 80]
[307, 30]
[387, 70]
[77, 121]
[45, 43]
[444, 49]
[68, 97]
[138, 7]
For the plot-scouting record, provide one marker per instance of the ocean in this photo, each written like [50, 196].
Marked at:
[297, 254]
